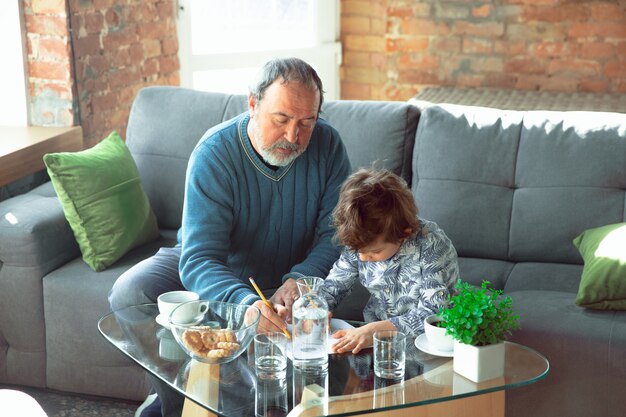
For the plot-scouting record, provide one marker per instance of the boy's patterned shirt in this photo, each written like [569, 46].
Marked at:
[406, 288]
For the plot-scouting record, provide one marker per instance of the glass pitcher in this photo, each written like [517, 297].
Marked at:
[310, 326]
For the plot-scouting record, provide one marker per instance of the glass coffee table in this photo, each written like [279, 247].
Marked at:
[348, 387]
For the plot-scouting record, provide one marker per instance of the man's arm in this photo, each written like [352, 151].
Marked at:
[206, 229]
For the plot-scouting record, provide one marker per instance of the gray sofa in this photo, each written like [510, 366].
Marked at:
[511, 189]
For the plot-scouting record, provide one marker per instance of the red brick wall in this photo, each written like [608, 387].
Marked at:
[119, 47]
[394, 48]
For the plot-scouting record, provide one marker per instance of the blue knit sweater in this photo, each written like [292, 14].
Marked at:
[242, 219]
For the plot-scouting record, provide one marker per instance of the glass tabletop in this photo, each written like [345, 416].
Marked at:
[347, 387]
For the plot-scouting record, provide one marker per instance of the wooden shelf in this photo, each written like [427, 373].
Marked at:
[22, 148]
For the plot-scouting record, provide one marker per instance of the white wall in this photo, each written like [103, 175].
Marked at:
[13, 104]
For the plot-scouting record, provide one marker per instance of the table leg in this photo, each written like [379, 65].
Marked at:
[203, 384]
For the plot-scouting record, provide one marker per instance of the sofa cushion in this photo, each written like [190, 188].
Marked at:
[603, 283]
[102, 200]
[464, 175]
[362, 124]
[587, 354]
[570, 176]
[79, 359]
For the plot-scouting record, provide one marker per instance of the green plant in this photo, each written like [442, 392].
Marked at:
[478, 316]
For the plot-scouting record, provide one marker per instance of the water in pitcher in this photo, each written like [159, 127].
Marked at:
[310, 338]
[310, 326]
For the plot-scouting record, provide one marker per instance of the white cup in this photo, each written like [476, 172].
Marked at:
[168, 301]
[436, 336]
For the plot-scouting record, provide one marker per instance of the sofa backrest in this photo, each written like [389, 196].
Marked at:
[376, 133]
[166, 123]
[516, 187]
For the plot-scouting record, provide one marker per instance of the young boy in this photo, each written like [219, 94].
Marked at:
[408, 264]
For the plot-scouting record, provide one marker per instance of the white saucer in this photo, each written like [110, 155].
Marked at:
[162, 320]
[422, 344]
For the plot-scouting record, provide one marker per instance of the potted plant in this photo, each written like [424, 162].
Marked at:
[479, 320]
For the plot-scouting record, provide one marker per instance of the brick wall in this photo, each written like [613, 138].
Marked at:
[120, 46]
[394, 48]
[117, 47]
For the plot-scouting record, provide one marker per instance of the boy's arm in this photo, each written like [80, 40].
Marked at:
[353, 340]
[438, 279]
[339, 282]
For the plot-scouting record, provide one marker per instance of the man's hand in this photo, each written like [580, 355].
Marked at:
[270, 321]
[284, 298]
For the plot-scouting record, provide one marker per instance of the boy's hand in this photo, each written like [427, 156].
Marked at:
[353, 339]
[359, 338]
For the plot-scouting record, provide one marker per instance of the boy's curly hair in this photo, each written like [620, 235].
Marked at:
[374, 203]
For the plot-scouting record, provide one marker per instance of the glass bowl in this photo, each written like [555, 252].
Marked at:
[214, 331]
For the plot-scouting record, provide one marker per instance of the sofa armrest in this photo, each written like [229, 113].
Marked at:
[35, 239]
[34, 231]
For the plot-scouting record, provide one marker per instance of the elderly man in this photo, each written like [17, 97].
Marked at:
[259, 194]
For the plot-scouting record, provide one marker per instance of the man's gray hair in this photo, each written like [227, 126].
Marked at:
[290, 70]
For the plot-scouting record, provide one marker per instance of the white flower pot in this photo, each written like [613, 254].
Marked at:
[479, 363]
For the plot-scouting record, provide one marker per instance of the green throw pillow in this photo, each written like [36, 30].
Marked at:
[603, 283]
[103, 200]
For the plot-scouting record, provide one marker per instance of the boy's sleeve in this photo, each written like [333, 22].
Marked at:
[340, 280]
[440, 273]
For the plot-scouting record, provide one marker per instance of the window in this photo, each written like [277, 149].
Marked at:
[222, 43]
[13, 104]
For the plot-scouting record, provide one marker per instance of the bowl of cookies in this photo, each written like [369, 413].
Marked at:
[214, 331]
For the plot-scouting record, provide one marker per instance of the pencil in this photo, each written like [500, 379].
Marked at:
[258, 291]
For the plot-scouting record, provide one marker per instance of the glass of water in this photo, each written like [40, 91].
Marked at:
[389, 354]
[270, 355]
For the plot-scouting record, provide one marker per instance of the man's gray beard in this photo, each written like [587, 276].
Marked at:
[267, 155]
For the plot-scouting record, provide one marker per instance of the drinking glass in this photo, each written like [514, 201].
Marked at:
[270, 355]
[271, 397]
[389, 354]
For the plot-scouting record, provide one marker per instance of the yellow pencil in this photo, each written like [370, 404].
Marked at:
[258, 291]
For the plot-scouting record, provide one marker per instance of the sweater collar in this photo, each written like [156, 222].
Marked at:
[259, 164]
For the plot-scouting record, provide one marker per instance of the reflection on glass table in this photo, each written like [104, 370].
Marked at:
[347, 387]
